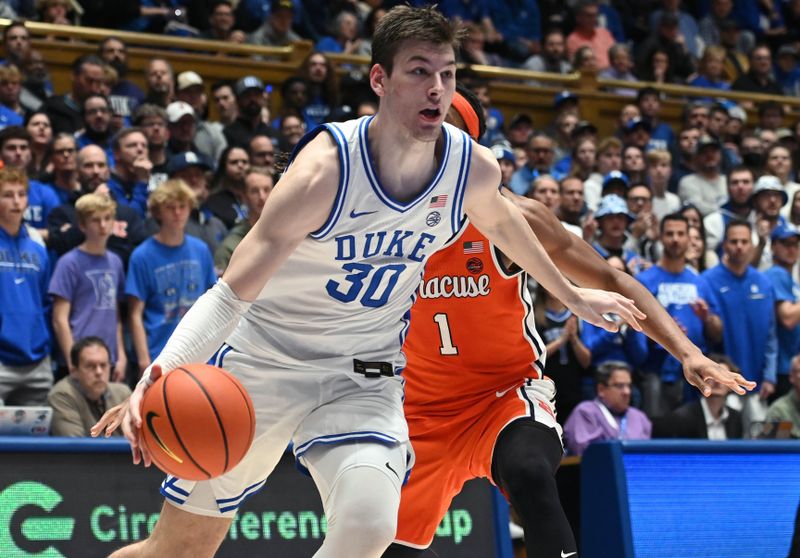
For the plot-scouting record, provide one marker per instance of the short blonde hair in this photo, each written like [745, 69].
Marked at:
[92, 204]
[658, 156]
[9, 175]
[10, 73]
[175, 190]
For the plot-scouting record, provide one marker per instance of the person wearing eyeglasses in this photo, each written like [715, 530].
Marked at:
[609, 416]
[97, 128]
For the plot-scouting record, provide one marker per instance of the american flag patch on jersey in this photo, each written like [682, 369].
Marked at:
[438, 201]
[475, 247]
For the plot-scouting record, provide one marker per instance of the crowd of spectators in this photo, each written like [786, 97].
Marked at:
[119, 205]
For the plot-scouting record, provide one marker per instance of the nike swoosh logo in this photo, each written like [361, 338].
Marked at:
[392, 470]
[149, 421]
[567, 555]
[500, 394]
[354, 213]
[19, 280]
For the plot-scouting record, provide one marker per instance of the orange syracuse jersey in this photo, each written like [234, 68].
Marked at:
[472, 328]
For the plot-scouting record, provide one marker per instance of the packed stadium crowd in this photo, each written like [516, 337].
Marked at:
[120, 206]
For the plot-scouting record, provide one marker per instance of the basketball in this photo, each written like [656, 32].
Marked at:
[197, 422]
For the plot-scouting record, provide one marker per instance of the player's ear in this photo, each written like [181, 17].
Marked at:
[377, 76]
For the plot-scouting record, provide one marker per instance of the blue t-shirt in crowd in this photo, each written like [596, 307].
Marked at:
[42, 199]
[677, 292]
[24, 274]
[133, 195]
[627, 344]
[784, 288]
[747, 309]
[662, 137]
[521, 180]
[93, 285]
[9, 118]
[168, 279]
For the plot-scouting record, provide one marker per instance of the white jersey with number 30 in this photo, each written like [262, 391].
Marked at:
[347, 289]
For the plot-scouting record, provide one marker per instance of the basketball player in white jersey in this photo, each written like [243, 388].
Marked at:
[312, 310]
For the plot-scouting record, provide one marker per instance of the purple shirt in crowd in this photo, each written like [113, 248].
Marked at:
[592, 421]
[93, 285]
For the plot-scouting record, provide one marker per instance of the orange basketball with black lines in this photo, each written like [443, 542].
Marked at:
[197, 422]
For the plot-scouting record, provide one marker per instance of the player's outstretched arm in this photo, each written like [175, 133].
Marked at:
[299, 205]
[503, 224]
[583, 265]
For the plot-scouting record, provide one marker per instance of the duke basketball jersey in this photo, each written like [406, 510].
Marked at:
[473, 328]
[346, 291]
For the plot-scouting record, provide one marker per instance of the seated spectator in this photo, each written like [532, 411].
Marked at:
[128, 182]
[125, 95]
[659, 170]
[520, 131]
[208, 137]
[585, 61]
[740, 190]
[633, 163]
[344, 38]
[182, 127]
[687, 25]
[787, 70]
[698, 256]
[292, 131]
[767, 199]
[251, 99]
[323, 88]
[57, 12]
[569, 358]
[257, 187]
[16, 43]
[707, 418]
[64, 180]
[158, 297]
[93, 174]
[541, 157]
[706, 188]
[277, 28]
[610, 415]
[588, 33]
[667, 38]
[609, 159]
[472, 51]
[262, 153]
[583, 161]
[514, 28]
[759, 78]
[193, 169]
[12, 112]
[620, 66]
[227, 200]
[154, 123]
[96, 127]
[221, 24]
[36, 83]
[87, 285]
[613, 218]
[552, 59]
[65, 111]
[656, 66]
[747, 308]
[225, 102]
[719, 21]
[41, 134]
[710, 70]
[25, 373]
[787, 407]
[644, 231]
[572, 209]
[80, 399]
[662, 136]
[160, 80]
[564, 125]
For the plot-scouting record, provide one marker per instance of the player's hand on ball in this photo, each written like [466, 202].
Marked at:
[597, 304]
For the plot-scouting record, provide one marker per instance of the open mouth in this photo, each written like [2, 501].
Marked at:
[430, 114]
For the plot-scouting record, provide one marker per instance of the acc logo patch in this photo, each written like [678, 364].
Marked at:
[474, 265]
[433, 219]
